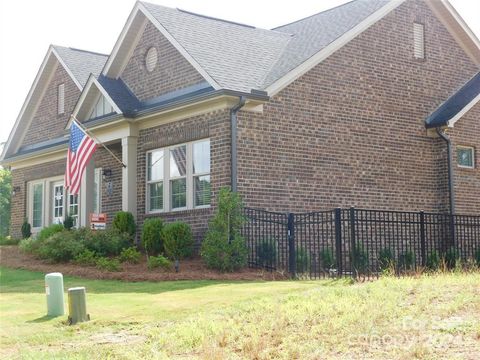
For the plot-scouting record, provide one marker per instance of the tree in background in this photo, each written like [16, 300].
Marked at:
[5, 194]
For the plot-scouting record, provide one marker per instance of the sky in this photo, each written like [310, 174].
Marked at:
[28, 27]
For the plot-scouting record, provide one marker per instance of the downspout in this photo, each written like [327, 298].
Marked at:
[233, 134]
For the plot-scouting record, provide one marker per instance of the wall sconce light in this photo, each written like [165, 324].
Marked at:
[15, 190]
[107, 173]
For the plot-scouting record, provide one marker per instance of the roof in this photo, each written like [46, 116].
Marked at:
[456, 105]
[81, 62]
[243, 57]
[120, 94]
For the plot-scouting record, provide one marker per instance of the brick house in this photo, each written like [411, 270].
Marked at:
[373, 103]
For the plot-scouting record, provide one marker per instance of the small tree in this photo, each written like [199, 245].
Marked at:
[5, 199]
[223, 247]
[26, 229]
[152, 236]
[177, 240]
[124, 222]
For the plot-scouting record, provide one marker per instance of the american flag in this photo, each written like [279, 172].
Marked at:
[80, 151]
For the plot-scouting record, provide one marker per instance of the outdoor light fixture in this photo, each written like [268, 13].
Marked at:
[15, 190]
[107, 173]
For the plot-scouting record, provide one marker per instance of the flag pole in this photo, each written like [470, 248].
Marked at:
[86, 132]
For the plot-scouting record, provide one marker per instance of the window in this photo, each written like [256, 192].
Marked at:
[418, 41]
[73, 208]
[97, 191]
[178, 177]
[57, 202]
[37, 205]
[102, 107]
[466, 157]
[61, 99]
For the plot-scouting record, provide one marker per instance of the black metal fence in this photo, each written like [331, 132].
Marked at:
[357, 242]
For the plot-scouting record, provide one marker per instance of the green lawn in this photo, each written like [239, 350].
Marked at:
[429, 317]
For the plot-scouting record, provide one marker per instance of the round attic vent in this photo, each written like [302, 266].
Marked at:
[151, 59]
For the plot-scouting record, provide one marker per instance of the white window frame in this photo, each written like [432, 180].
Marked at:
[76, 217]
[167, 206]
[61, 99]
[473, 156]
[31, 195]
[199, 174]
[55, 184]
[179, 177]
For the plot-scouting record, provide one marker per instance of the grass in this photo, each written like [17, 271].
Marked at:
[427, 317]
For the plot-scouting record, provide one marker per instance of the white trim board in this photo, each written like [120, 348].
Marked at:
[462, 112]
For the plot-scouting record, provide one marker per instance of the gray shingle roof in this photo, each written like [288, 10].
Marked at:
[120, 94]
[240, 57]
[81, 63]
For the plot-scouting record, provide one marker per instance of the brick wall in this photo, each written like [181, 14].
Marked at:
[172, 72]
[216, 126]
[46, 123]
[351, 131]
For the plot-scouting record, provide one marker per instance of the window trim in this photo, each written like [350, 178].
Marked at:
[55, 184]
[465, 147]
[167, 206]
[31, 195]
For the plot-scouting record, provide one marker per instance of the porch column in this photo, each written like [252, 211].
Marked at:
[86, 194]
[129, 174]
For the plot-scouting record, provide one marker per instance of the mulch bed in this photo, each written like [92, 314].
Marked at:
[191, 269]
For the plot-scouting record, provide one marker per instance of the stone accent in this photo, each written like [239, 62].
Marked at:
[173, 71]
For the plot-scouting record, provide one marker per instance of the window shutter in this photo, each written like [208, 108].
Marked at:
[61, 99]
[419, 41]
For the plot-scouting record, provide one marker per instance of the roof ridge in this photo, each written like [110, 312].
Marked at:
[80, 50]
[310, 16]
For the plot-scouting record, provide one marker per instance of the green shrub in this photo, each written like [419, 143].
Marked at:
[159, 261]
[302, 260]
[105, 242]
[451, 258]
[130, 255]
[327, 258]
[266, 251]
[26, 229]
[359, 258]
[48, 231]
[386, 259]
[406, 261]
[86, 257]
[60, 247]
[8, 240]
[152, 236]
[28, 245]
[107, 264]
[177, 240]
[223, 247]
[124, 222]
[433, 261]
[69, 222]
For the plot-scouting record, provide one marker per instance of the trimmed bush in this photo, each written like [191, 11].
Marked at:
[224, 248]
[451, 258]
[302, 260]
[86, 257]
[60, 247]
[26, 229]
[359, 258]
[159, 261]
[28, 245]
[107, 264]
[266, 252]
[327, 258]
[406, 261]
[177, 240]
[48, 231]
[386, 259]
[105, 243]
[152, 236]
[433, 261]
[130, 255]
[124, 222]
[69, 222]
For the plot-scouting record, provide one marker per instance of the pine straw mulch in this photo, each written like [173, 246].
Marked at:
[191, 269]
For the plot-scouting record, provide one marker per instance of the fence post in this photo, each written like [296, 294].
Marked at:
[292, 266]
[353, 254]
[338, 240]
[422, 239]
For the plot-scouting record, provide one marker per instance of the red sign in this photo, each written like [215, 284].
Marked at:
[98, 221]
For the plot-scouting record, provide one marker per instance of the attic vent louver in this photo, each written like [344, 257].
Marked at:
[151, 59]
[418, 41]
[61, 99]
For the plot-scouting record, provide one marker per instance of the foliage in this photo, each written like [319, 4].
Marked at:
[130, 255]
[86, 257]
[433, 261]
[451, 258]
[5, 200]
[359, 258]
[327, 259]
[406, 261]
[124, 222]
[28, 245]
[26, 229]
[178, 240]
[69, 222]
[108, 264]
[477, 256]
[152, 236]
[60, 247]
[302, 260]
[224, 248]
[386, 259]
[159, 261]
[48, 231]
[266, 251]
[8, 240]
[106, 242]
